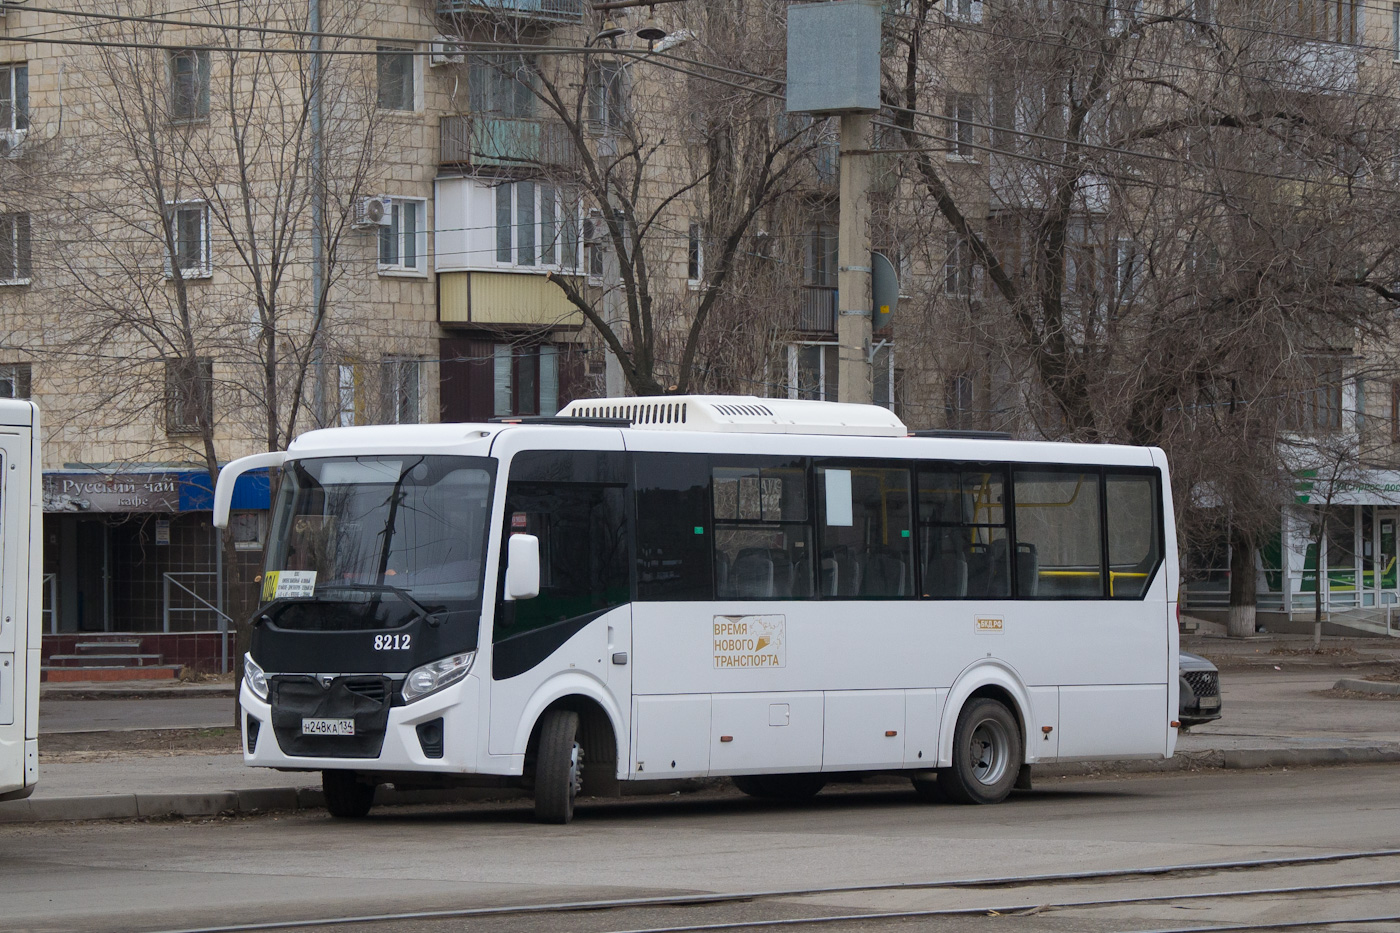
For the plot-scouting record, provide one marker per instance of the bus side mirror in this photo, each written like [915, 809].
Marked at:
[523, 567]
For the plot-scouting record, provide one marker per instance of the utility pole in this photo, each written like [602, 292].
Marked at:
[853, 326]
[833, 69]
[318, 206]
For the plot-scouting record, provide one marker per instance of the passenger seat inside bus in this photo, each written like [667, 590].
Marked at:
[883, 573]
[945, 577]
[751, 577]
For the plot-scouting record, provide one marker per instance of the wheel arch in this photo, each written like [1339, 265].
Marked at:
[600, 726]
[995, 680]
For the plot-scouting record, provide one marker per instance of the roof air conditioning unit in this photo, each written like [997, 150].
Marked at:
[373, 212]
[446, 50]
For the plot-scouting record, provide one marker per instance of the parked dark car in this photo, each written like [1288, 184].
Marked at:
[1200, 690]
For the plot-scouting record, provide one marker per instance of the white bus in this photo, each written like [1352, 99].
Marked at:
[21, 572]
[641, 589]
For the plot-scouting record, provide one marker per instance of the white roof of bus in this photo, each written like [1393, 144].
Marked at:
[804, 434]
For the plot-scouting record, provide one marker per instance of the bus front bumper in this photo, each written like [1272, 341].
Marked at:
[403, 747]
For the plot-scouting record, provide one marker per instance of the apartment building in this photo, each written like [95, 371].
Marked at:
[164, 304]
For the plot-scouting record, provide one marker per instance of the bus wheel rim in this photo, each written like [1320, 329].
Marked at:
[988, 751]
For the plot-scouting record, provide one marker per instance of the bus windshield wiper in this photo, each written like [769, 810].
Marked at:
[401, 592]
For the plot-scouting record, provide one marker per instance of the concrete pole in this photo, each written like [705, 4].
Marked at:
[853, 258]
[318, 209]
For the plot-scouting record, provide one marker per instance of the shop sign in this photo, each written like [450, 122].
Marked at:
[119, 492]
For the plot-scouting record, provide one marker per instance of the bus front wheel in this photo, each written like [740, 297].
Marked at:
[987, 754]
[347, 797]
[558, 767]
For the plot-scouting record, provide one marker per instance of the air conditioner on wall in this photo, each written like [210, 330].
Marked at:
[10, 143]
[373, 212]
[594, 229]
[446, 50]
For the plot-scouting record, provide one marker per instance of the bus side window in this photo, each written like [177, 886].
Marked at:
[674, 534]
[1134, 533]
[582, 528]
[962, 532]
[1059, 551]
[763, 535]
[865, 536]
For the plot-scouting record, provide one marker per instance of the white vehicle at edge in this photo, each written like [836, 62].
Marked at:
[21, 571]
[639, 589]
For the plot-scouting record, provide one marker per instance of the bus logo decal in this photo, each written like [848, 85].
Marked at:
[750, 641]
[988, 624]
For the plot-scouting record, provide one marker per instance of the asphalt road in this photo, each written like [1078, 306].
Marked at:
[66, 716]
[169, 875]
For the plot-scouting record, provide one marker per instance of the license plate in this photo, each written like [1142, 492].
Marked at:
[1210, 702]
[328, 727]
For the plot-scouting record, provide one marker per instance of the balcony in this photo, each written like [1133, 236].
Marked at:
[817, 311]
[560, 11]
[480, 141]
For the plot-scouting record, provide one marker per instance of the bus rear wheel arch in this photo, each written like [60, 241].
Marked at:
[988, 753]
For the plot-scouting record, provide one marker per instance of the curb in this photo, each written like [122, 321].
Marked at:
[1368, 686]
[260, 800]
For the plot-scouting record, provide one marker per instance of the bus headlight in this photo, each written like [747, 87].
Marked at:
[254, 677]
[431, 678]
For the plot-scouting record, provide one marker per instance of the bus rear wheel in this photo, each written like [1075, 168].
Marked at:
[347, 797]
[987, 754]
[780, 786]
[558, 767]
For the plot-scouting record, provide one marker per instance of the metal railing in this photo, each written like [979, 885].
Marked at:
[561, 10]
[817, 312]
[49, 612]
[486, 140]
[169, 580]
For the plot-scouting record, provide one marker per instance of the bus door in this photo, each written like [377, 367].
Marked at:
[581, 620]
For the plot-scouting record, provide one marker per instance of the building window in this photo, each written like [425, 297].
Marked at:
[958, 401]
[957, 267]
[189, 84]
[1395, 31]
[403, 244]
[821, 261]
[536, 226]
[501, 85]
[15, 380]
[962, 125]
[1318, 409]
[813, 371]
[525, 380]
[346, 383]
[1327, 20]
[1128, 262]
[695, 255]
[15, 256]
[398, 388]
[396, 84]
[607, 98]
[189, 236]
[967, 11]
[189, 395]
[14, 98]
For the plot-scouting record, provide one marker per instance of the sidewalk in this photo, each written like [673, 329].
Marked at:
[1274, 716]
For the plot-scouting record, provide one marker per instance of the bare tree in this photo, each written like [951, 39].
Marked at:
[665, 179]
[1166, 219]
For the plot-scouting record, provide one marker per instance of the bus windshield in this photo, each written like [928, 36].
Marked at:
[399, 537]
